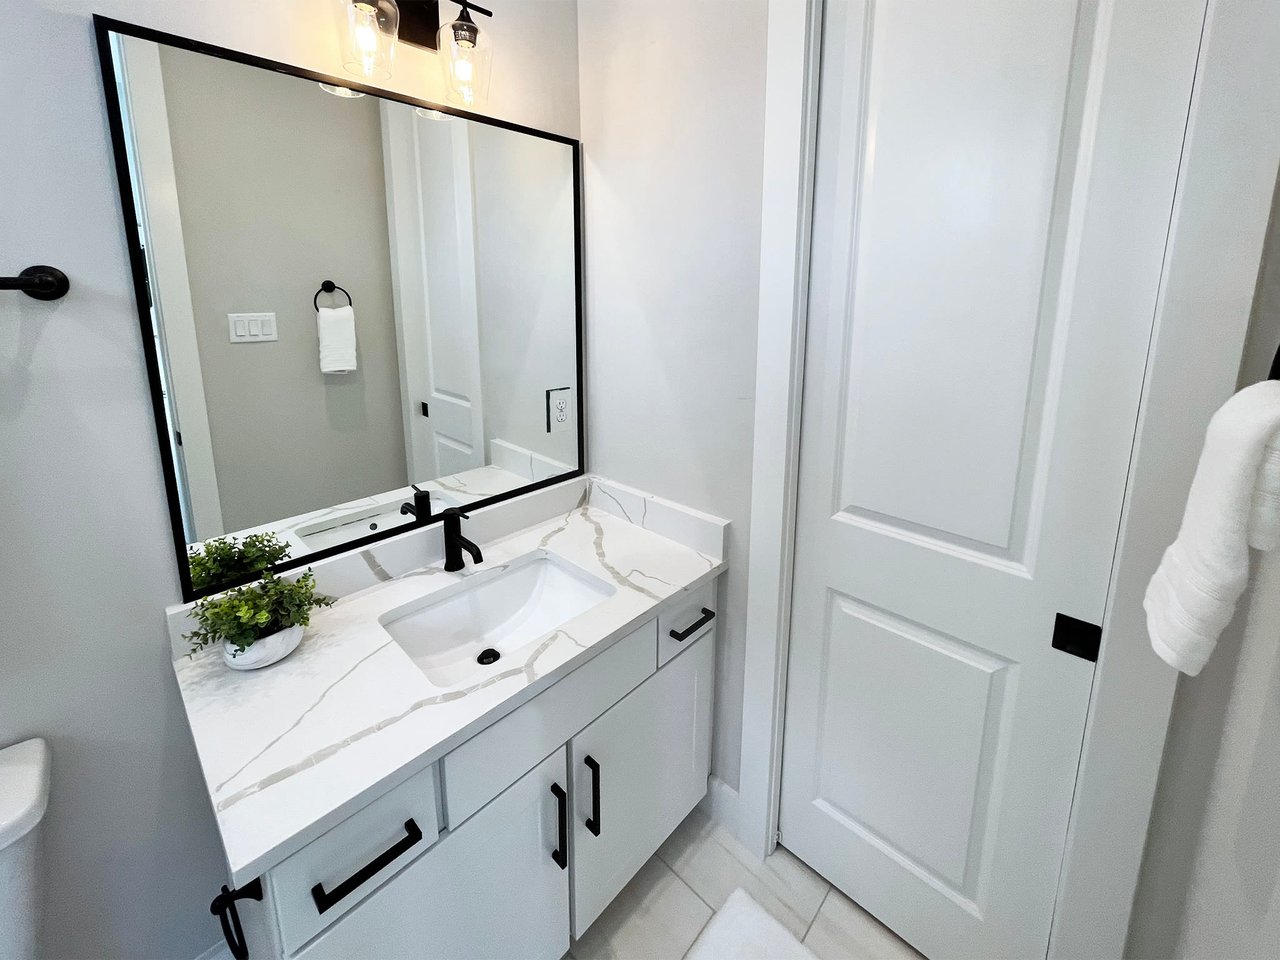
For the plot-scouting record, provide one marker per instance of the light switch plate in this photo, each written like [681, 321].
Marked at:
[252, 327]
[560, 408]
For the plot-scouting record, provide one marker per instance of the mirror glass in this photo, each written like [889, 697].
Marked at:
[348, 296]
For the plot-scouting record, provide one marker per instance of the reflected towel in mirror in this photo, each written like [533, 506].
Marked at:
[337, 329]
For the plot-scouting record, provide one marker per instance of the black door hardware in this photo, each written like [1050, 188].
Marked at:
[560, 854]
[593, 821]
[426, 411]
[39, 282]
[224, 908]
[680, 636]
[327, 899]
[1080, 638]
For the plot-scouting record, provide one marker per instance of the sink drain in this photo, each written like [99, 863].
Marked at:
[488, 656]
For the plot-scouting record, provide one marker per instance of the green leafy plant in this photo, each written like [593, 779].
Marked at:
[225, 559]
[245, 615]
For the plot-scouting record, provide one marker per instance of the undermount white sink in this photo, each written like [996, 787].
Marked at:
[508, 610]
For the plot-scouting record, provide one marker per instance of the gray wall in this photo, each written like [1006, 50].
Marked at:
[281, 186]
[673, 134]
[87, 565]
[1210, 882]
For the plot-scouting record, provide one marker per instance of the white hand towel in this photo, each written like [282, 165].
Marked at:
[1264, 521]
[1193, 594]
[337, 329]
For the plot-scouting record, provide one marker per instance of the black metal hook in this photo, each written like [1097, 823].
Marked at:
[224, 908]
[40, 282]
[329, 286]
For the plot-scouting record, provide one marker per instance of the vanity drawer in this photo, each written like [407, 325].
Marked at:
[336, 871]
[686, 616]
[499, 755]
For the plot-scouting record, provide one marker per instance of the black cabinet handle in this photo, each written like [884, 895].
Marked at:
[327, 899]
[682, 635]
[224, 908]
[593, 821]
[560, 854]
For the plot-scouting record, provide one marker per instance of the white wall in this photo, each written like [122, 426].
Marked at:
[1210, 883]
[672, 128]
[87, 563]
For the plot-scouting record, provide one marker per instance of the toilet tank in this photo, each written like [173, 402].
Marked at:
[24, 794]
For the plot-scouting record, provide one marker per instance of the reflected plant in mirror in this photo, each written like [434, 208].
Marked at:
[340, 298]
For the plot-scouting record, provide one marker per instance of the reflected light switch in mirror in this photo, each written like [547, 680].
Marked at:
[252, 327]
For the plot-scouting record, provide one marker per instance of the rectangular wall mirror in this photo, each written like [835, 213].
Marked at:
[343, 294]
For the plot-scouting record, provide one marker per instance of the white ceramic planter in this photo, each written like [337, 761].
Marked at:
[265, 652]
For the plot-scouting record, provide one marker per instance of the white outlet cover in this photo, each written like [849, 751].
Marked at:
[560, 409]
[252, 327]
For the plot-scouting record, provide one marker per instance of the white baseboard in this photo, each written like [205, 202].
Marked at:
[721, 804]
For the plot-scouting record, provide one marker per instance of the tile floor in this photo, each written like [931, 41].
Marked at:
[661, 912]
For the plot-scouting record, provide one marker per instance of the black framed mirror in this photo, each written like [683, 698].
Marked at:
[358, 309]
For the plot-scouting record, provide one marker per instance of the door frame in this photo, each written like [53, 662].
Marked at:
[1217, 227]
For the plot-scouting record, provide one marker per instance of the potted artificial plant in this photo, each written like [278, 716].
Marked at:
[225, 559]
[258, 624]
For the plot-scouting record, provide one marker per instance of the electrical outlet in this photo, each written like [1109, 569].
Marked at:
[252, 327]
[560, 408]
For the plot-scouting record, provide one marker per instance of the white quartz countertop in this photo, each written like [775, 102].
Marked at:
[291, 750]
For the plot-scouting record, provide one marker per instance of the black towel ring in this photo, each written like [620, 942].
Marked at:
[328, 287]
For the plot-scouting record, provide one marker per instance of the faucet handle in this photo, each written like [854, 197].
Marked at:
[454, 512]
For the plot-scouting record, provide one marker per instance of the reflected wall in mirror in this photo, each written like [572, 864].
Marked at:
[447, 354]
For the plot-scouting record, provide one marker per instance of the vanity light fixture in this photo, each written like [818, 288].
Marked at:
[466, 56]
[345, 92]
[369, 41]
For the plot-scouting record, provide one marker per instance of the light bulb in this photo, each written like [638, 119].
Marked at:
[371, 28]
[466, 59]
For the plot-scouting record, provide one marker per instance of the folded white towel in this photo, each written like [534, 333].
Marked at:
[337, 329]
[1193, 594]
[1264, 521]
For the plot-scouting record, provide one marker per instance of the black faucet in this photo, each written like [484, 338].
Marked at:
[421, 506]
[455, 542]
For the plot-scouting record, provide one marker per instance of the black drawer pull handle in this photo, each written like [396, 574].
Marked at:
[327, 899]
[224, 908]
[593, 821]
[560, 855]
[680, 636]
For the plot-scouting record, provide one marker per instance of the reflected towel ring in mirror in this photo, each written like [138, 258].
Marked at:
[329, 286]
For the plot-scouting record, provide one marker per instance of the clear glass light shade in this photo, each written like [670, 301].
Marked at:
[369, 41]
[466, 56]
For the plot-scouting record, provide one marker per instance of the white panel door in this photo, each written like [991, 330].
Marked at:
[646, 759]
[431, 219]
[994, 186]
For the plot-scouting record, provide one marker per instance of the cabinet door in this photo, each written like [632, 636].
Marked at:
[489, 889]
[647, 760]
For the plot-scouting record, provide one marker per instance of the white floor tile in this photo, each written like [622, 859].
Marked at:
[707, 858]
[842, 930]
[655, 917]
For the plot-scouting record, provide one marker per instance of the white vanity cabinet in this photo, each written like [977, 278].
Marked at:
[490, 889]
[532, 826]
[637, 771]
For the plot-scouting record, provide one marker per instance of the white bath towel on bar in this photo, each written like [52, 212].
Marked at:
[1193, 594]
[337, 329]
